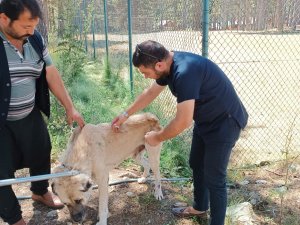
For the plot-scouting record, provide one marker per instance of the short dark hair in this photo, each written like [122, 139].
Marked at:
[148, 53]
[13, 8]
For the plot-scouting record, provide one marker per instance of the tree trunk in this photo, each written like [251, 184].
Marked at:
[247, 16]
[280, 19]
[296, 15]
[261, 14]
[42, 27]
[239, 15]
[61, 24]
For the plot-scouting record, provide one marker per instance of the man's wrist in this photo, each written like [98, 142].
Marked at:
[125, 114]
[160, 136]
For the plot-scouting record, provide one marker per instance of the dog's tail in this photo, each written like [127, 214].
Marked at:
[74, 134]
[155, 121]
[141, 118]
[71, 142]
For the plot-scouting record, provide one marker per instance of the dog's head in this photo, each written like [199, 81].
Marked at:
[74, 192]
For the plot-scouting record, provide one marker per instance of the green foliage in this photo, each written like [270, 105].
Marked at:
[107, 73]
[100, 93]
[96, 100]
[58, 128]
[147, 200]
[71, 58]
[112, 80]
[174, 158]
[235, 175]
[73, 25]
[235, 198]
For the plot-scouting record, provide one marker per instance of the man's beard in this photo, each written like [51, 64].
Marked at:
[18, 37]
[161, 74]
[14, 35]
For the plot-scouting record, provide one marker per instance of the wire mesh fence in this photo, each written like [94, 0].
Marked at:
[256, 43]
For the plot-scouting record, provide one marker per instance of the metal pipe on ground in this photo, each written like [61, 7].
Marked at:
[37, 178]
[121, 182]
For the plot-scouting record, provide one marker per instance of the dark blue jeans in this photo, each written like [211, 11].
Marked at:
[23, 144]
[209, 158]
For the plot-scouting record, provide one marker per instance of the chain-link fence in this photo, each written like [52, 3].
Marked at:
[257, 44]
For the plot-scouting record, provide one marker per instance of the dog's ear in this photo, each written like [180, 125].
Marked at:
[59, 169]
[53, 188]
[87, 186]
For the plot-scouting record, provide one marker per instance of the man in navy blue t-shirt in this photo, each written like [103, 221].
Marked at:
[206, 95]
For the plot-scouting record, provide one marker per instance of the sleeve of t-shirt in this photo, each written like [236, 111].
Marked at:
[187, 84]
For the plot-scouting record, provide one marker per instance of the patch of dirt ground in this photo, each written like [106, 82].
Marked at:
[135, 208]
[273, 189]
[134, 204]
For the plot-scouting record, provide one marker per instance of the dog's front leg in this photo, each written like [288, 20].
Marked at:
[103, 198]
[141, 159]
[154, 159]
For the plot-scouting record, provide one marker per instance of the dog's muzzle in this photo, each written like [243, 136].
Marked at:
[78, 217]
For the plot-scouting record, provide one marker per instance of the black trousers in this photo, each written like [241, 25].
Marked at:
[209, 158]
[24, 143]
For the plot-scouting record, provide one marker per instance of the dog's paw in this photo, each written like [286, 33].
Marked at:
[158, 194]
[101, 223]
[142, 180]
[108, 215]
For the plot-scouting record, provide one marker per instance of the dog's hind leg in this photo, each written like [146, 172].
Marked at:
[102, 181]
[142, 160]
[154, 160]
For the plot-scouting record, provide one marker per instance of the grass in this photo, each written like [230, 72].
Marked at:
[95, 100]
[148, 200]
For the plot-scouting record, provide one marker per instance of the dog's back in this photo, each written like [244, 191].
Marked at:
[94, 140]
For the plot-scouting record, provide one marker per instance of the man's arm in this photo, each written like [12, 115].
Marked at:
[58, 89]
[144, 99]
[182, 120]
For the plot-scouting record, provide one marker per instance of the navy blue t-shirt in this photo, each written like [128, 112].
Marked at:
[195, 77]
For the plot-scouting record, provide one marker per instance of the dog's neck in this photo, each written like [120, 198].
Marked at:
[69, 168]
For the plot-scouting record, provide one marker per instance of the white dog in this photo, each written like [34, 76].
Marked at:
[94, 151]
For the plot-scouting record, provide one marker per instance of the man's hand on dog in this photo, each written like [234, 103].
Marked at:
[117, 122]
[74, 116]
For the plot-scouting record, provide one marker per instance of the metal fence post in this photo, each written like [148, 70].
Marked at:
[106, 28]
[205, 28]
[94, 41]
[84, 21]
[130, 45]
